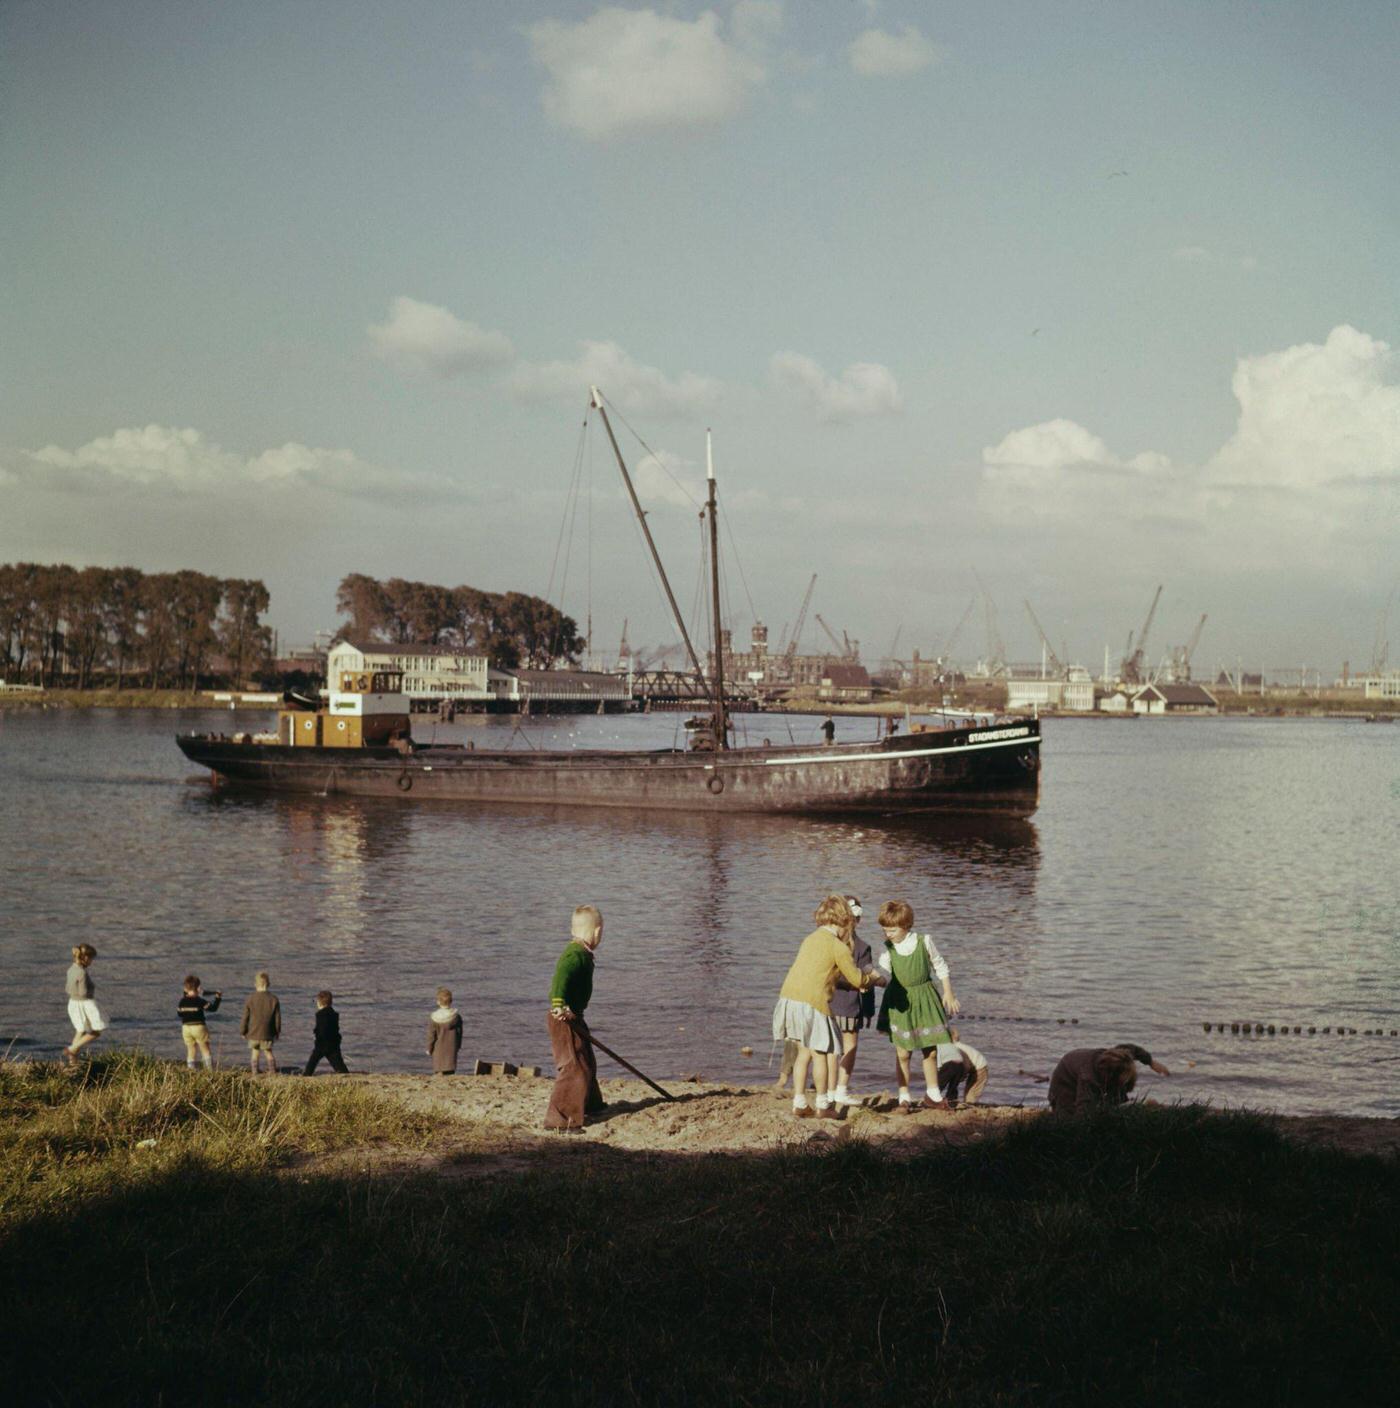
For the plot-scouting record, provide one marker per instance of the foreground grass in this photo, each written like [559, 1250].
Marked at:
[1150, 1256]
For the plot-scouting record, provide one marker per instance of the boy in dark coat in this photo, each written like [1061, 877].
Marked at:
[262, 1024]
[327, 1037]
[445, 1035]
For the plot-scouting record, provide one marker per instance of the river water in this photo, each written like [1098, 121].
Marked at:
[1178, 872]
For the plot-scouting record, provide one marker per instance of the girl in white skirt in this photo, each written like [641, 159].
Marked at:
[803, 1010]
[83, 1011]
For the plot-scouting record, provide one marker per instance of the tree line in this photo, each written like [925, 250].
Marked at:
[85, 625]
[510, 628]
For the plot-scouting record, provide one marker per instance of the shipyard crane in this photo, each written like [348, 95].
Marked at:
[957, 630]
[831, 636]
[996, 648]
[1181, 656]
[791, 650]
[1134, 659]
[1052, 660]
[1380, 652]
[624, 651]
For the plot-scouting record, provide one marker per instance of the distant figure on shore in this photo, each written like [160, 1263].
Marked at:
[1095, 1076]
[192, 1009]
[444, 1034]
[852, 1010]
[575, 1095]
[261, 1024]
[961, 1067]
[327, 1042]
[803, 1010]
[829, 730]
[83, 1011]
[913, 1015]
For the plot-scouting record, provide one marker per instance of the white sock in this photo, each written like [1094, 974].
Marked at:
[904, 1096]
[799, 1101]
[823, 1102]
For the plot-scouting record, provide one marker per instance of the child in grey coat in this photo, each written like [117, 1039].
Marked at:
[445, 1035]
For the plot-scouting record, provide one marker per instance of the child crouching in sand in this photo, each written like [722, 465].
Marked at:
[803, 1010]
[913, 1015]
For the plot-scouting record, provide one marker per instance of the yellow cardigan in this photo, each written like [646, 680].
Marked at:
[813, 973]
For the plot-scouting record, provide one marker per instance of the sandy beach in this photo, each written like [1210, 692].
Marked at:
[502, 1121]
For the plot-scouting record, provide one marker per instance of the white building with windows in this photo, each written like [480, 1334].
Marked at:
[1386, 686]
[429, 671]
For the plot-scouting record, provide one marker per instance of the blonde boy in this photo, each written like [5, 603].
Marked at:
[262, 1024]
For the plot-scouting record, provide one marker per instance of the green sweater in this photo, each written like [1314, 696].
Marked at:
[573, 978]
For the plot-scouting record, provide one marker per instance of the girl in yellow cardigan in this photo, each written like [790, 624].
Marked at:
[803, 1012]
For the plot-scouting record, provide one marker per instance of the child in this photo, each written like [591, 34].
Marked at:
[327, 1043]
[575, 1095]
[803, 1010]
[912, 1015]
[83, 1012]
[193, 1027]
[445, 1034]
[851, 1011]
[1096, 1076]
[961, 1065]
[262, 1024]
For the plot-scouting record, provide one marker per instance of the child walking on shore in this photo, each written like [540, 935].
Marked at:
[913, 1015]
[327, 1043]
[83, 1011]
[193, 1027]
[445, 1035]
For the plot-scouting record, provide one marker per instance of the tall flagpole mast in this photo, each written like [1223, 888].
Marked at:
[721, 726]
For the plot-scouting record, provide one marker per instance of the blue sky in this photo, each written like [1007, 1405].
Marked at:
[1079, 298]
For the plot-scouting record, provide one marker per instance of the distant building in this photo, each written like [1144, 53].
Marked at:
[562, 691]
[756, 666]
[1386, 686]
[1175, 699]
[845, 683]
[1074, 695]
[429, 671]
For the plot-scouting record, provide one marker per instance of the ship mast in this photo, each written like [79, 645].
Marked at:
[720, 723]
[596, 399]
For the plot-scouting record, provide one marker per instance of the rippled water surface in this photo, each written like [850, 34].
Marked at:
[1178, 872]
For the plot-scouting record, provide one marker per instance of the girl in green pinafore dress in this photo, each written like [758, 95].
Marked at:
[914, 1015]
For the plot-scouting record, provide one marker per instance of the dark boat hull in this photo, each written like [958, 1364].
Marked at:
[957, 770]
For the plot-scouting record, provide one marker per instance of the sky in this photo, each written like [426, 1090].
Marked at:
[1059, 302]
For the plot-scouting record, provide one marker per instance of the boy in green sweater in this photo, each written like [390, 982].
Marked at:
[575, 1092]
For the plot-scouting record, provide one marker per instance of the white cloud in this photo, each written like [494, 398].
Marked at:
[665, 477]
[864, 389]
[432, 339]
[876, 53]
[1314, 414]
[1310, 477]
[182, 461]
[631, 384]
[635, 70]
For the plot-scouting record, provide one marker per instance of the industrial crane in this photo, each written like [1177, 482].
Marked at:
[1181, 656]
[1052, 660]
[843, 652]
[1133, 659]
[957, 630]
[791, 649]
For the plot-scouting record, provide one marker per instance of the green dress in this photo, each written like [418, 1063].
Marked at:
[912, 1015]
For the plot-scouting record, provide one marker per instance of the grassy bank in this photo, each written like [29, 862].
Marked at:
[1153, 1255]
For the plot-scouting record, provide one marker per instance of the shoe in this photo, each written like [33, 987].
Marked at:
[802, 1112]
[831, 1112]
[927, 1104]
[905, 1107]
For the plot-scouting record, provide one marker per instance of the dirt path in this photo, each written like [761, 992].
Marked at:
[502, 1121]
